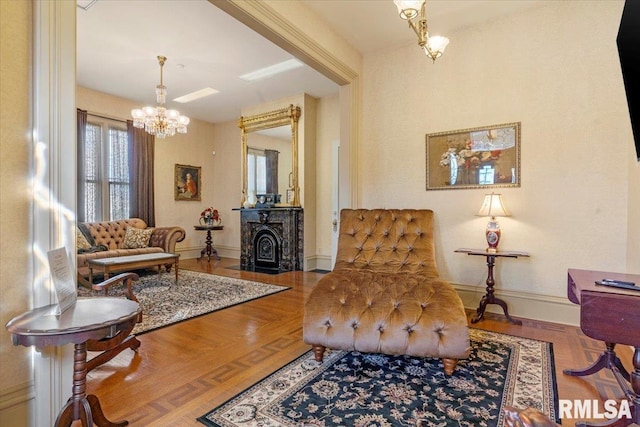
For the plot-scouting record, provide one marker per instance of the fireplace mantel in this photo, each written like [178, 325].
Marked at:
[272, 239]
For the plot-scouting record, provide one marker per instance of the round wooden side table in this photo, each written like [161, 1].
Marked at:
[88, 319]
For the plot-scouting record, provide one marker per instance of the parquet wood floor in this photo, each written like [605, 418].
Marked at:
[182, 371]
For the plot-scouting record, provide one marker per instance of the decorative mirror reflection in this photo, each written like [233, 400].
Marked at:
[270, 158]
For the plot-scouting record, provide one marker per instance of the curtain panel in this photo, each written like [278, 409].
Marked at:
[271, 157]
[141, 155]
[81, 131]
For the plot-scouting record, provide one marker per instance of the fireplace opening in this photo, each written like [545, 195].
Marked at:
[266, 250]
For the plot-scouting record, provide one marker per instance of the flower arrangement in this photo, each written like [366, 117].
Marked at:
[210, 215]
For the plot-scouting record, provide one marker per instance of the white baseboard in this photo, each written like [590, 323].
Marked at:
[317, 262]
[17, 405]
[223, 251]
[521, 304]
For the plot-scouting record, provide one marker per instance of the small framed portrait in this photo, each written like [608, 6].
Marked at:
[187, 182]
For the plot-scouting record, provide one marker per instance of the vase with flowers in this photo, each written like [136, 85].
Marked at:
[210, 217]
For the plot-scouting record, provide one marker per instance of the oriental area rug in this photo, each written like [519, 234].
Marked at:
[357, 389]
[164, 303]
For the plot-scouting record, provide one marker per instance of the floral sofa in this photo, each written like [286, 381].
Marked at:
[120, 238]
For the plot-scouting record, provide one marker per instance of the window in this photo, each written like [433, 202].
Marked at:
[256, 172]
[106, 177]
[486, 175]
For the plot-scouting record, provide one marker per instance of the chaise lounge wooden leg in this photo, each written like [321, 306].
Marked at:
[318, 351]
[449, 365]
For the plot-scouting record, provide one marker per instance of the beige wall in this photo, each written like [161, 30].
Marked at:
[633, 242]
[555, 69]
[15, 202]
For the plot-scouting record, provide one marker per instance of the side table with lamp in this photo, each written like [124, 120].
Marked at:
[492, 207]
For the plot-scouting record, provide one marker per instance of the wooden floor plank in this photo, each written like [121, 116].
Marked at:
[184, 370]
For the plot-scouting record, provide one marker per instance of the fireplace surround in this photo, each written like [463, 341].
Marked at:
[271, 239]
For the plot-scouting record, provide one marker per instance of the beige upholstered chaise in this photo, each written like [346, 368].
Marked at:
[384, 294]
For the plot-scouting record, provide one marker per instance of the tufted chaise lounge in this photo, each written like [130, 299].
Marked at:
[384, 294]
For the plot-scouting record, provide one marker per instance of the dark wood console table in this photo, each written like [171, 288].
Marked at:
[88, 319]
[611, 315]
[489, 297]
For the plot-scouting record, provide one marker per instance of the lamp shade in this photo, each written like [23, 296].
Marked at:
[436, 46]
[408, 9]
[493, 206]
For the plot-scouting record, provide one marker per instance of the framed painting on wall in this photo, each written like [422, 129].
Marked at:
[187, 182]
[482, 157]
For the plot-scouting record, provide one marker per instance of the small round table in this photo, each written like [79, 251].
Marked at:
[88, 319]
[209, 250]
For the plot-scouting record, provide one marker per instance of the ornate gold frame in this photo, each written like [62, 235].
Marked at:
[272, 119]
[446, 148]
[179, 185]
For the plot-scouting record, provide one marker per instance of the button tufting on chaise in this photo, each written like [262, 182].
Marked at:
[384, 294]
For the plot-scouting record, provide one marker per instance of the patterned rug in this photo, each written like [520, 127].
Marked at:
[356, 389]
[163, 303]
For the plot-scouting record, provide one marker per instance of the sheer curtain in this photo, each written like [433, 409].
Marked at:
[81, 125]
[141, 149]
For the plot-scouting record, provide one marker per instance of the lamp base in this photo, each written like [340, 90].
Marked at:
[493, 236]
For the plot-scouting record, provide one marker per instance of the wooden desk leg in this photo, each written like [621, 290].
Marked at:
[608, 359]
[80, 406]
[490, 298]
[633, 393]
[635, 385]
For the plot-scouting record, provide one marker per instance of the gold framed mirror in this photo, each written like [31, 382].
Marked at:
[258, 124]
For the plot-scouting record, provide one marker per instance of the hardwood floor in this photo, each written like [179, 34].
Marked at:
[182, 371]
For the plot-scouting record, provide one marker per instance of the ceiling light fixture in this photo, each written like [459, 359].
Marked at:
[195, 95]
[413, 11]
[158, 120]
[271, 70]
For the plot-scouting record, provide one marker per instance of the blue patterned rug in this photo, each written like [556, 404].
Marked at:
[357, 389]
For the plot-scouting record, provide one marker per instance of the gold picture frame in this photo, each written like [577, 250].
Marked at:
[187, 184]
[481, 157]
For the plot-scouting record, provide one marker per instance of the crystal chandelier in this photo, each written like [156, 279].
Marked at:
[413, 11]
[158, 120]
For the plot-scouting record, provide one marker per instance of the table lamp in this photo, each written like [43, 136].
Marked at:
[492, 206]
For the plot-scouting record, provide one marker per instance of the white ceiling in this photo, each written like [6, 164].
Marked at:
[118, 43]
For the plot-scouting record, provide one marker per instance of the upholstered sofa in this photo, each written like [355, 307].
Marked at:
[120, 238]
[384, 294]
